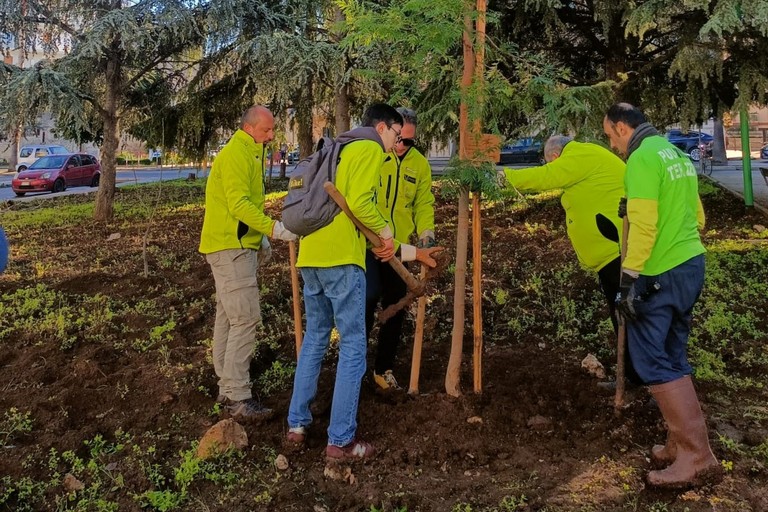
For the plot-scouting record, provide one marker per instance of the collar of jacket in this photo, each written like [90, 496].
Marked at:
[247, 139]
[642, 132]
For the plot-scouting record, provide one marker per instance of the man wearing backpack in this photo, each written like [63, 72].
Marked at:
[404, 197]
[234, 241]
[332, 263]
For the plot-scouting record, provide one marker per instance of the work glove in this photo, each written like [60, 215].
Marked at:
[425, 255]
[386, 251]
[279, 232]
[264, 254]
[622, 207]
[501, 179]
[625, 298]
[426, 240]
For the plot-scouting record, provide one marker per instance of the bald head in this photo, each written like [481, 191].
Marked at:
[259, 123]
[554, 146]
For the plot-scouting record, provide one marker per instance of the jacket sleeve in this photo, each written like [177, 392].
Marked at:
[643, 215]
[700, 218]
[363, 177]
[238, 174]
[560, 173]
[424, 202]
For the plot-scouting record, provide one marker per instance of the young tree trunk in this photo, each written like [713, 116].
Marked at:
[452, 376]
[105, 197]
[477, 294]
[453, 372]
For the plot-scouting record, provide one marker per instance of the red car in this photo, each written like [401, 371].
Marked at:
[55, 173]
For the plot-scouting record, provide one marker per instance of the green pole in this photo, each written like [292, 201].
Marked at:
[746, 158]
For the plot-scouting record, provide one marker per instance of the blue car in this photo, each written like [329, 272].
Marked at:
[691, 143]
[522, 151]
[764, 152]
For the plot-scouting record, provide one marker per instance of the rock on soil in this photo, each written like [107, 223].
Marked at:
[593, 366]
[222, 436]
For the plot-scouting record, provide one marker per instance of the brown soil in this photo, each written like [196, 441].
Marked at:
[544, 429]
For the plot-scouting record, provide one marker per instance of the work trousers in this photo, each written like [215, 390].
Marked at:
[383, 283]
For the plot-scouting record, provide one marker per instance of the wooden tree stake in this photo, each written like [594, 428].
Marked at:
[418, 339]
[477, 293]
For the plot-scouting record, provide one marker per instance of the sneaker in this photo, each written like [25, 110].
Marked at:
[386, 382]
[249, 411]
[356, 450]
[296, 437]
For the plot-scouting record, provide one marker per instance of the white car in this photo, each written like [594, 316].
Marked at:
[29, 154]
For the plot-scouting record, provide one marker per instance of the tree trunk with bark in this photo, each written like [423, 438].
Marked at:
[15, 145]
[718, 145]
[342, 89]
[105, 197]
[304, 116]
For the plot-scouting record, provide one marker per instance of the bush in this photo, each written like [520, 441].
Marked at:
[145, 161]
[121, 161]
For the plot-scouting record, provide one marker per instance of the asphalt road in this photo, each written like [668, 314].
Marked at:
[124, 177]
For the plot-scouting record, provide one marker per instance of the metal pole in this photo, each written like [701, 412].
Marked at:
[746, 158]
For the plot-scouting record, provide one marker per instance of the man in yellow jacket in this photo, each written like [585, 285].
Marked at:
[404, 197]
[592, 179]
[234, 240]
[332, 263]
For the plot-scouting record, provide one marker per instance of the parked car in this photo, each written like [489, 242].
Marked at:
[293, 157]
[764, 152]
[55, 173]
[689, 142]
[522, 151]
[28, 154]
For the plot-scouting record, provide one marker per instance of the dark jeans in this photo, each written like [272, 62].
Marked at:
[383, 283]
[610, 277]
[658, 339]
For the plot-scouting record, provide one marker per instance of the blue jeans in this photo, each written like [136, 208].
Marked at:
[332, 294]
[658, 338]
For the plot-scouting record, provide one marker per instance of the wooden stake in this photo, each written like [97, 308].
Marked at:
[477, 293]
[297, 324]
[621, 342]
[418, 338]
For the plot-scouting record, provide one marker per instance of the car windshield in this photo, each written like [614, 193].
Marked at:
[49, 162]
[59, 150]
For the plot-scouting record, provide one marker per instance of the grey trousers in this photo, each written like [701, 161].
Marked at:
[238, 315]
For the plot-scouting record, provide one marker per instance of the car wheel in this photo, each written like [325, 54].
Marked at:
[695, 154]
[22, 168]
[20, 194]
[59, 186]
[95, 180]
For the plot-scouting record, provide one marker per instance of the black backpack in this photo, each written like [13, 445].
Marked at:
[307, 206]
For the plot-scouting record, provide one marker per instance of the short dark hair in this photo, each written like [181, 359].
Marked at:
[409, 116]
[627, 114]
[381, 112]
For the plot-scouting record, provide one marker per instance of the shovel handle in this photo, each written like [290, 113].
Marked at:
[621, 342]
[415, 286]
[418, 339]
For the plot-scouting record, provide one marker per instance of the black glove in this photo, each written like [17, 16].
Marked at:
[426, 242]
[622, 207]
[625, 299]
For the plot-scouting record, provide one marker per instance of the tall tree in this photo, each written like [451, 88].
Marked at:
[96, 54]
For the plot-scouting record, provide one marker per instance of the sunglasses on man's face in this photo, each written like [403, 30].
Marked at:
[407, 142]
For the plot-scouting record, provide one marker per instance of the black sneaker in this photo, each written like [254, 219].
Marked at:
[249, 411]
